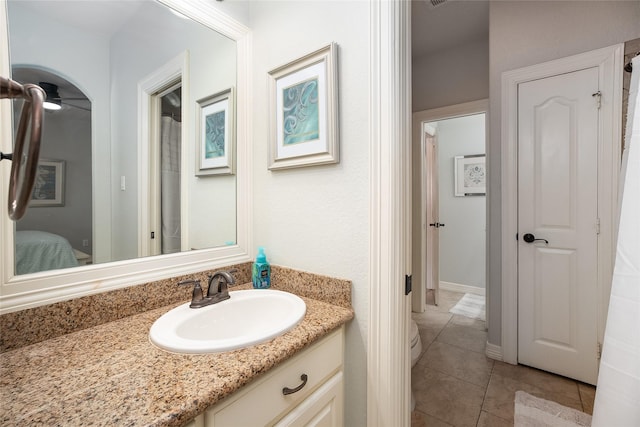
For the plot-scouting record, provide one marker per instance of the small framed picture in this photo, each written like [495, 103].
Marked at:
[304, 111]
[48, 189]
[216, 127]
[470, 175]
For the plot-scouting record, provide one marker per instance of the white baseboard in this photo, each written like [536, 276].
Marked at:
[493, 351]
[457, 287]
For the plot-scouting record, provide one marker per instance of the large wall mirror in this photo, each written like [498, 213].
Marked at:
[121, 197]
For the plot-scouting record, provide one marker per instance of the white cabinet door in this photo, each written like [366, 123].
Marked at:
[324, 408]
[558, 205]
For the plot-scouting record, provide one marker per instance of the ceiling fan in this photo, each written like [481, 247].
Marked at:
[54, 101]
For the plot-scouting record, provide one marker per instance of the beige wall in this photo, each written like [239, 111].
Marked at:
[523, 33]
[451, 76]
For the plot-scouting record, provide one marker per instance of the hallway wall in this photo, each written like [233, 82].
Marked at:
[451, 76]
[462, 240]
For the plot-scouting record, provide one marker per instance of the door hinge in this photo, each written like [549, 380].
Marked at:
[599, 351]
[407, 284]
[598, 97]
[597, 225]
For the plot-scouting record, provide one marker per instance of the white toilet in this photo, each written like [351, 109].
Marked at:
[416, 350]
[416, 343]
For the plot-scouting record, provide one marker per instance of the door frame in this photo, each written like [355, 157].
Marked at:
[176, 69]
[609, 61]
[430, 202]
[155, 169]
[388, 347]
[420, 119]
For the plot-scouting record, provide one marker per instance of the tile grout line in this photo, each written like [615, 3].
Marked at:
[484, 398]
[486, 390]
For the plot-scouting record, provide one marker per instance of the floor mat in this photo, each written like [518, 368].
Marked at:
[531, 411]
[470, 305]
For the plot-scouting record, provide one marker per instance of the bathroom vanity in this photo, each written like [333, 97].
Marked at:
[111, 374]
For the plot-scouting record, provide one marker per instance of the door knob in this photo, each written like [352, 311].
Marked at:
[436, 225]
[530, 238]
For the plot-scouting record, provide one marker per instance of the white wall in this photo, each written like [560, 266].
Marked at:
[462, 240]
[523, 33]
[212, 199]
[451, 76]
[317, 218]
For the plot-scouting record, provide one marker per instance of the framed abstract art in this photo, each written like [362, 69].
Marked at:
[48, 189]
[304, 111]
[470, 175]
[216, 127]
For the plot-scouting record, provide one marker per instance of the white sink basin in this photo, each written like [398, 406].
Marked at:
[249, 317]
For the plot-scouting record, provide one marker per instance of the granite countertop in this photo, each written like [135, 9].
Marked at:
[112, 375]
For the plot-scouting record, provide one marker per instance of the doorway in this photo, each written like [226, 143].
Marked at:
[167, 150]
[557, 220]
[447, 219]
[63, 197]
[160, 108]
[456, 206]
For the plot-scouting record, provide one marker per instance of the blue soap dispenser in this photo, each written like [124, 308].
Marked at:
[261, 271]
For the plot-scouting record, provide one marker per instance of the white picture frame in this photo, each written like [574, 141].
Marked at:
[48, 189]
[303, 112]
[470, 175]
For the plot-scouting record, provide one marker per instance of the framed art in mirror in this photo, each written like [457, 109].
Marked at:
[48, 189]
[216, 142]
[304, 111]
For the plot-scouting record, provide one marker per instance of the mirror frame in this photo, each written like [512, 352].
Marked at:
[32, 290]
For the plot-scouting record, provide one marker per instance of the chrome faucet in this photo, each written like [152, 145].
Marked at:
[218, 289]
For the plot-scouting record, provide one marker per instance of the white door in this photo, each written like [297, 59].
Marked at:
[557, 203]
[433, 208]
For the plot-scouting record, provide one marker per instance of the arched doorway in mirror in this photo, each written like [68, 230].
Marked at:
[56, 231]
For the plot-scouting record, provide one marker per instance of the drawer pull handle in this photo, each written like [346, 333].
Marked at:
[288, 390]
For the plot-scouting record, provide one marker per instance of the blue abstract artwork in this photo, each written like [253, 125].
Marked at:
[301, 120]
[214, 135]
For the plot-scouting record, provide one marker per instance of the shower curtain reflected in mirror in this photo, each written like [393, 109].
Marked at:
[170, 134]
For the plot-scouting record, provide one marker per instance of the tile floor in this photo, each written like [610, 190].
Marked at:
[455, 384]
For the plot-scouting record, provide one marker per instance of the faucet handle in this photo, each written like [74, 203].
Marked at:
[196, 297]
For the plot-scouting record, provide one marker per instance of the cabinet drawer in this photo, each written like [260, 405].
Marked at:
[262, 402]
[324, 408]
